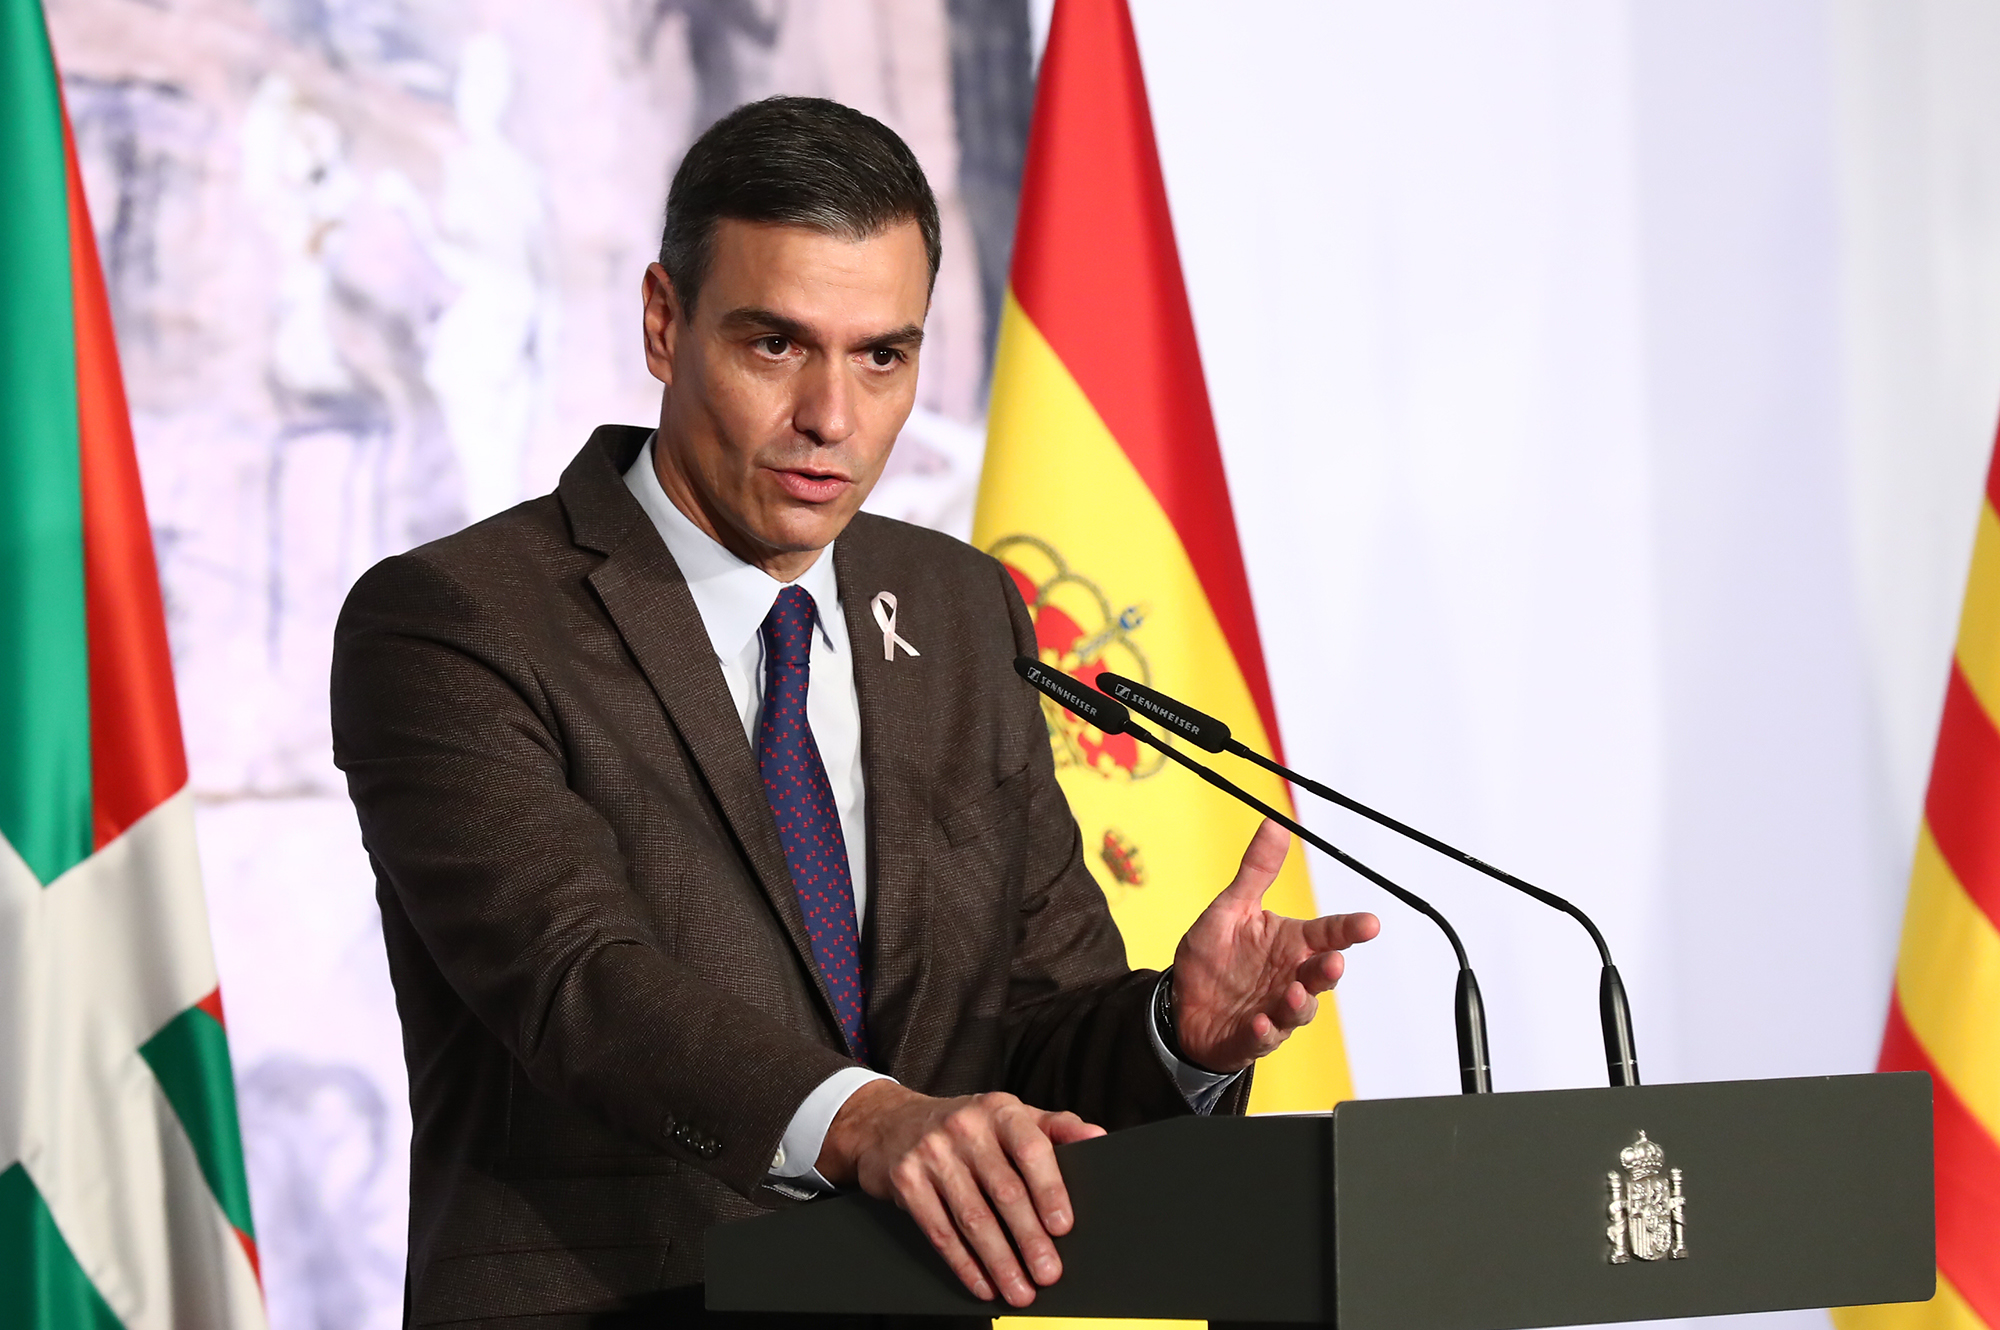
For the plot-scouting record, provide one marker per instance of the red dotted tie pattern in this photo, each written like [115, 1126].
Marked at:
[808, 820]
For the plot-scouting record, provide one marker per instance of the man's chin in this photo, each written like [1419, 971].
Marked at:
[804, 529]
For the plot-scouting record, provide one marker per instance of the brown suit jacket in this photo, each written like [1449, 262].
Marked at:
[610, 1011]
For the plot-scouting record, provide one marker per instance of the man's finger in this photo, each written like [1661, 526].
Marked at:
[988, 1154]
[1262, 859]
[1265, 1035]
[1320, 973]
[925, 1206]
[1294, 1007]
[973, 1214]
[1025, 1138]
[1022, 1181]
[1336, 932]
[1062, 1128]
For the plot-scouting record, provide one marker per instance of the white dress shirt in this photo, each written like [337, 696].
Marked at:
[733, 598]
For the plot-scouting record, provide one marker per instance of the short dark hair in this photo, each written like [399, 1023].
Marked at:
[800, 161]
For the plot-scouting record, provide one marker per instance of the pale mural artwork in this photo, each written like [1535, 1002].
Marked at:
[375, 270]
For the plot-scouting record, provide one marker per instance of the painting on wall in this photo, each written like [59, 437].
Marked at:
[375, 269]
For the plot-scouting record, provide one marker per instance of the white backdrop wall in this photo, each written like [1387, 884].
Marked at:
[1606, 427]
[1607, 393]
[1604, 385]
[1606, 390]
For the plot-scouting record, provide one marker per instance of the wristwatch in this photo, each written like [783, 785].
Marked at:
[1163, 1013]
[1164, 1023]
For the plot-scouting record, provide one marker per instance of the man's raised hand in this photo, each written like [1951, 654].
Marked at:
[963, 1168]
[1245, 978]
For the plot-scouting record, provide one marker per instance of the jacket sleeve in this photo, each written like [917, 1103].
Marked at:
[1077, 1014]
[519, 892]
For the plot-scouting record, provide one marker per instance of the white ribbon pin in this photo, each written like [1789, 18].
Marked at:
[885, 619]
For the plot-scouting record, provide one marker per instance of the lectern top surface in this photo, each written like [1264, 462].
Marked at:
[1466, 1212]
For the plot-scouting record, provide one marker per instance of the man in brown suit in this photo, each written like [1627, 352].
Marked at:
[616, 928]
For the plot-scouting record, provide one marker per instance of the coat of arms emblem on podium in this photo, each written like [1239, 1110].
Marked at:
[1648, 1212]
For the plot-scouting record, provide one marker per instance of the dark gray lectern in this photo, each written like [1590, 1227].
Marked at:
[1474, 1212]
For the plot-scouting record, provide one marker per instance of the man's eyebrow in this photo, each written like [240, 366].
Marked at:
[751, 316]
[910, 335]
[754, 317]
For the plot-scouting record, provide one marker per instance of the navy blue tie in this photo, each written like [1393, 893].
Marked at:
[808, 820]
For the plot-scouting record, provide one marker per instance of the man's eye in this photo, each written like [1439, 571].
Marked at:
[882, 357]
[774, 345]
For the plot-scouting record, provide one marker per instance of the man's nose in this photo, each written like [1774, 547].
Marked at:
[825, 407]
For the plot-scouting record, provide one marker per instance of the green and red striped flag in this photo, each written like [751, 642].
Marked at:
[123, 1200]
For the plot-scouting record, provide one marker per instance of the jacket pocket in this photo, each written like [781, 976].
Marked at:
[987, 813]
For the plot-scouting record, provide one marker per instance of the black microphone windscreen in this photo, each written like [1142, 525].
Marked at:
[1079, 697]
[1198, 727]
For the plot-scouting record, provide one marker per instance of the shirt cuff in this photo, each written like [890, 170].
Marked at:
[1201, 1088]
[792, 1167]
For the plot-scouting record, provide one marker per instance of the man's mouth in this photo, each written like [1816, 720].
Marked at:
[810, 486]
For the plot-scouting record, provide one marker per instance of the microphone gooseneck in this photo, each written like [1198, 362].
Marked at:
[1475, 1069]
[1614, 1012]
[1475, 1075]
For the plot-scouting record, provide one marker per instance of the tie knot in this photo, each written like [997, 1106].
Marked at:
[788, 627]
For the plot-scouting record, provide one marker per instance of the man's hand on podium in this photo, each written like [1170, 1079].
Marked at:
[976, 1170]
[952, 1163]
[1245, 978]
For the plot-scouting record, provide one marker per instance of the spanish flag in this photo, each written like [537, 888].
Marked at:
[1944, 1016]
[1103, 493]
[123, 1201]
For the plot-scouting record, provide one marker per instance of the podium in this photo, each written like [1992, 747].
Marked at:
[1472, 1212]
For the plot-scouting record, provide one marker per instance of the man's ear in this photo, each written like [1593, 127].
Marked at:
[664, 321]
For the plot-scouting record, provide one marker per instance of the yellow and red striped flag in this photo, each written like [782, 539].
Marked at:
[1104, 494]
[1944, 1017]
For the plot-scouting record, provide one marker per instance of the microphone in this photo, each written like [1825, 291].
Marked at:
[1475, 1072]
[1205, 731]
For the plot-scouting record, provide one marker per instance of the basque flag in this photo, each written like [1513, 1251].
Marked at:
[122, 1193]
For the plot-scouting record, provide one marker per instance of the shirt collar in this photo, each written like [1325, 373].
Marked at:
[731, 596]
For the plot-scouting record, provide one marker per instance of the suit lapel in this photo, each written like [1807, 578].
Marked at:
[647, 599]
[895, 745]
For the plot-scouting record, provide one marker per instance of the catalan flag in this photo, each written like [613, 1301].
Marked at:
[1944, 1016]
[122, 1193]
[1104, 494]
